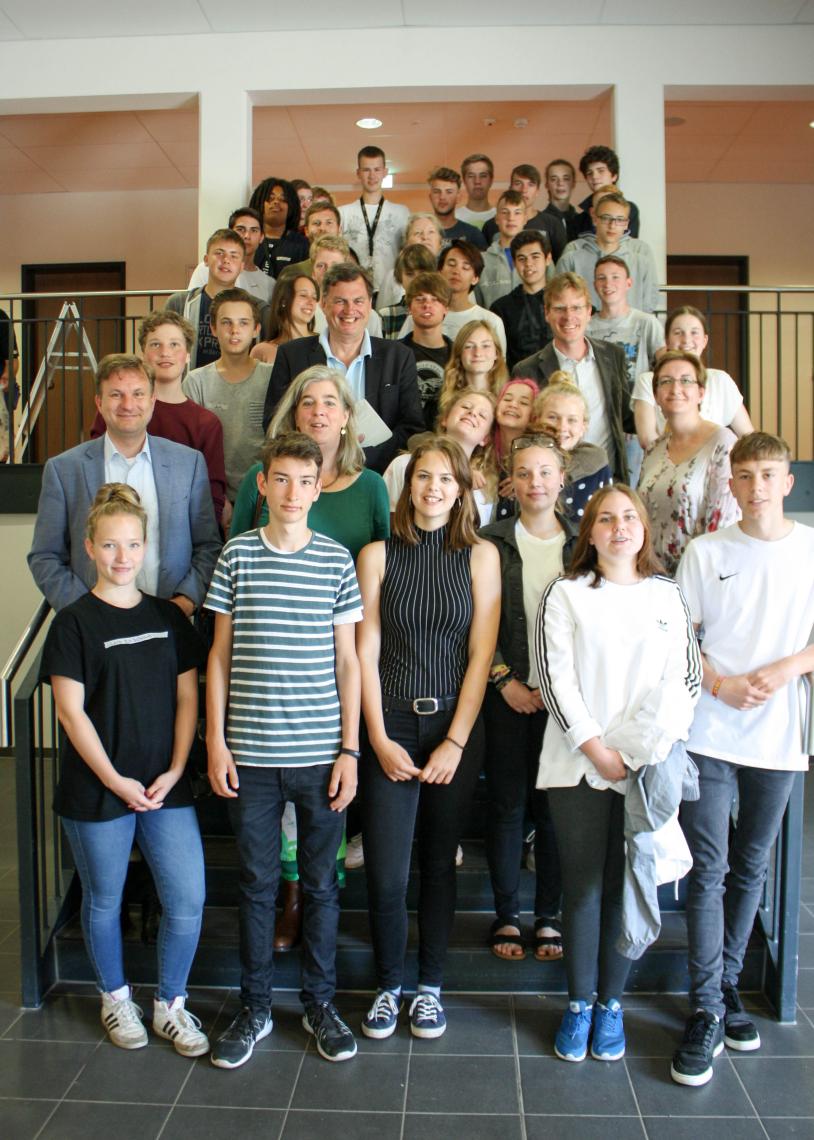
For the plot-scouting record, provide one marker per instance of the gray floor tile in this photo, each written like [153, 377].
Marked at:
[22, 1119]
[784, 1128]
[304, 1125]
[430, 1126]
[595, 1087]
[806, 950]
[33, 1069]
[461, 1084]
[659, 1096]
[265, 1081]
[536, 1028]
[703, 1128]
[61, 1018]
[806, 920]
[583, 1128]
[805, 988]
[153, 1075]
[352, 1086]
[778, 1087]
[78, 1120]
[223, 1123]
[487, 1032]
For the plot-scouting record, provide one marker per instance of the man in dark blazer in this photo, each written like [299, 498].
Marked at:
[380, 371]
[598, 368]
[183, 541]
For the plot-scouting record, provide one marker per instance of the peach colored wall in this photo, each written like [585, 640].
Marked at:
[153, 231]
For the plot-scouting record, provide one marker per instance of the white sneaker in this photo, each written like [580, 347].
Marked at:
[121, 1018]
[178, 1025]
[355, 854]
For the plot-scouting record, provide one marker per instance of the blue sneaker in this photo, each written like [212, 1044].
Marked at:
[383, 1016]
[571, 1042]
[608, 1041]
[427, 1018]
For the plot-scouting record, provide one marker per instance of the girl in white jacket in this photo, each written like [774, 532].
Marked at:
[620, 674]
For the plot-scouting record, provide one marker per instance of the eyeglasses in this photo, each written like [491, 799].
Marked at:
[524, 441]
[670, 381]
[610, 220]
[562, 310]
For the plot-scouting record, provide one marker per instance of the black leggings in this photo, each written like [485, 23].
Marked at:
[589, 825]
[392, 813]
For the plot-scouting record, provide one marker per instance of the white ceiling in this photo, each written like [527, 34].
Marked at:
[90, 19]
[734, 140]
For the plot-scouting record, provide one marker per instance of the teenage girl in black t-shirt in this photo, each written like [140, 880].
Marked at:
[123, 667]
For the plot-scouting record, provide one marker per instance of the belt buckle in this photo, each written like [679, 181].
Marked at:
[419, 702]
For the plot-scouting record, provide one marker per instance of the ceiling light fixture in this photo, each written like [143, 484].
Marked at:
[370, 124]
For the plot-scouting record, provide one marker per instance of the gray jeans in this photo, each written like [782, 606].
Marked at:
[726, 882]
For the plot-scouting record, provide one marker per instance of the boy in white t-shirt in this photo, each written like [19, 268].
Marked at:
[750, 591]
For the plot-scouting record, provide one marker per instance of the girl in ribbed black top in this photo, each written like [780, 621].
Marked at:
[431, 598]
[426, 615]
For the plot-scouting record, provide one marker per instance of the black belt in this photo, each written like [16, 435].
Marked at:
[421, 706]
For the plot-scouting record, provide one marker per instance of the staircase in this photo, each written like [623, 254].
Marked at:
[471, 966]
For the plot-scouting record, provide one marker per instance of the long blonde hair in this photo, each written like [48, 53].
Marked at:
[454, 374]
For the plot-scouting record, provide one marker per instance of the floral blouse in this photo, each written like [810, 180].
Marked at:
[689, 498]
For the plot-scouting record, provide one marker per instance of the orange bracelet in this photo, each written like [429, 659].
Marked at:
[716, 688]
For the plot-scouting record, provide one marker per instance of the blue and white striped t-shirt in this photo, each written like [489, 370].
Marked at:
[283, 701]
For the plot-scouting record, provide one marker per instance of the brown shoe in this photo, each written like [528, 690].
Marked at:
[288, 928]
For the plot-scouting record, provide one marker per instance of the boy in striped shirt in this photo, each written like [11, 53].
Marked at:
[283, 696]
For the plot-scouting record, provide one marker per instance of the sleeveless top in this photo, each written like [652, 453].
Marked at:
[426, 613]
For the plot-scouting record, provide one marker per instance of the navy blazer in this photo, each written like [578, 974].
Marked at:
[612, 367]
[391, 389]
[188, 535]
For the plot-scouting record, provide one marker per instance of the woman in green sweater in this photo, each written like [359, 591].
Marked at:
[353, 507]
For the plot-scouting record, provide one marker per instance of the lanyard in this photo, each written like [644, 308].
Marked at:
[371, 230]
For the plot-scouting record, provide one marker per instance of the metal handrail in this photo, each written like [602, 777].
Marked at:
[12, 667]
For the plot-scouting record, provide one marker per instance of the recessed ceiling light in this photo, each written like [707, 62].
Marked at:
[387, 182]
[811, 124]
[368, 124]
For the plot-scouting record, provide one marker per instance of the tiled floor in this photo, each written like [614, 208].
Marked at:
[493, 1075]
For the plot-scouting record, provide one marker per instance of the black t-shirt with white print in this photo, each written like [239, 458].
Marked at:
[129, 661]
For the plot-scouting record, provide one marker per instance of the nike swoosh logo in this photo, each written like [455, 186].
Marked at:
[724, 577]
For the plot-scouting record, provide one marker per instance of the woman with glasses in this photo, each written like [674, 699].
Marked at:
[686, 331]
[534, 547]
[685, 475]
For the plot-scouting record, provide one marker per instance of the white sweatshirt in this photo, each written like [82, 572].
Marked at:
[617, 662]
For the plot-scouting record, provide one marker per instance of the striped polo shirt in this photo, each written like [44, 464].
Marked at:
[283, 701]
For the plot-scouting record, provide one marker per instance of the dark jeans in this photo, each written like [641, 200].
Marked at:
[513, 743]
[255, 816]
[590, 835]
[723, 894]
[392, 813]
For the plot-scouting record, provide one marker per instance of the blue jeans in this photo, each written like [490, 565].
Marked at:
[723, 893]
[170, 842]
[392, 813]
[256, 816]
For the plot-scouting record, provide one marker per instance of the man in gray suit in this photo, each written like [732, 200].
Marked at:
[183, 541]
[598, 368]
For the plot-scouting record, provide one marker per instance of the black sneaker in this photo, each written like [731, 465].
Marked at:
[740, 1032]
[236, 1045]
[334, 1040]
[703, 1040]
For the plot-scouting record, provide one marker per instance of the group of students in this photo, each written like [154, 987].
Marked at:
[492, 601]
[589, 654]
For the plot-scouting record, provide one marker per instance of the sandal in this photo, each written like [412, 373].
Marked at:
[547, 947]
[496, 939]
